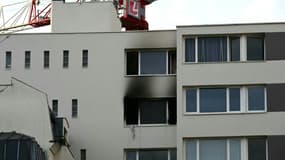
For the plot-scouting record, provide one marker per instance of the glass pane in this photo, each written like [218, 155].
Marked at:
[11, 149]
[235, 149]
[173, 154]
[255, 48]
[132, 63]
[256, 98]
[234, 99]
[131, 155]
[153, 112]
[189, 50]
[2, 145]
[191, 150]
[8, 59]
[213, 49]
[213, 100]
[25, 150]
[172, 62]
[213, 150]
[256, 149]
[191, 101]
[153, 62]
[153, 155]
[235, 48]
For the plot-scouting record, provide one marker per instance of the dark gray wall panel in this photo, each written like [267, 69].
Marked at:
[275, 46]
[151, 86]
[276, 146]
[276, 97]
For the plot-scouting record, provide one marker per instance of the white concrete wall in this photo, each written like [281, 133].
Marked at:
[25, 111]
[226, 73]
[92, 16]
[100, 88]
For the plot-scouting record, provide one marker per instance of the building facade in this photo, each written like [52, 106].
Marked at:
[211, 92]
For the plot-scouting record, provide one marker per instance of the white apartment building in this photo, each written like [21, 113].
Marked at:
[209, 92]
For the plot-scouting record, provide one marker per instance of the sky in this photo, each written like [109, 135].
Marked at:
[167, 14]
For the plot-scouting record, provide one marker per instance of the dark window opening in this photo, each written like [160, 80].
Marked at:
[235, 48]
[150, 111]
[8, 60]
[27, 59]
[132, 63]
[46, 59]
[83, 154]
[172, 62]
[55, 106]
[74, 108]
[190, 50]
[85, 58]
[255, 48]
[257, 149]
[65, 58]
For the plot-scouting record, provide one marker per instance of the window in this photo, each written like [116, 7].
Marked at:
[256, 149]
[74, 108]
[152, 154]
[256, 98]
[8, 60]
[55, 106]
[27, 59]
[150, 111]
[151, 62]
[255, 48]
[225, 149]
[46, 59]
[65, 58]
[235, 48]
[85, 58]
[83, 154]
[225, 99]
[212, 49]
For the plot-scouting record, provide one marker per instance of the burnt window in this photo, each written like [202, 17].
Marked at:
[151, 62]
[150, 111]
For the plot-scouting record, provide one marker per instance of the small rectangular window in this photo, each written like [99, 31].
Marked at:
[85, 58]
[213, 100]
[256, 96]
[132, 63]
[235, 48]
[8, 60]
[256, 149]
[74, 108]
[55, 106]
[255, 48]
[153, 62]
[171, 62]
[27, 59]
[83, 154]
[190, 50]
[65, 58]
[46, 59]
[234, 99]
[212, 49]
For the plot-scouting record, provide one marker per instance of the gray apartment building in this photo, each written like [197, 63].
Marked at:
[201, 92]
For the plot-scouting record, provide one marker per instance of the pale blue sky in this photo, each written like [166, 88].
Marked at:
[167, 14]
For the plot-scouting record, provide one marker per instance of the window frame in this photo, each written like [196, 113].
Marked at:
[46, 59]
[244, 107]
[73, 106]
[264, 47]
[152, 149]
[228, 48]
[28, 59]
[65, 58]
[139, 52]
[243, 145]
[55, 108]
[85, 58]
[8, 66]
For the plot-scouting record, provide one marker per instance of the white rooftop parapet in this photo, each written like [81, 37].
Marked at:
[89, 16]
